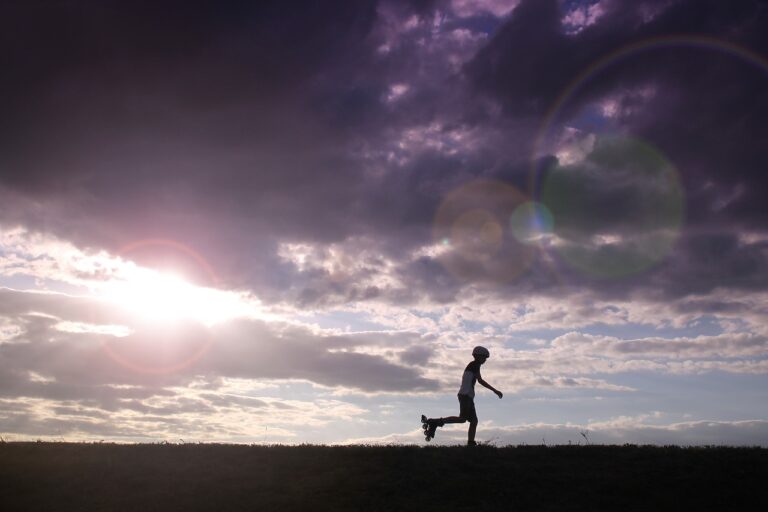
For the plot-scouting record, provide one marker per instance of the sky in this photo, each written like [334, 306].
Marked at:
[271, 222]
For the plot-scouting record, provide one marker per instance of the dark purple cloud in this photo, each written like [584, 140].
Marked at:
[709, 100]
[238, 129]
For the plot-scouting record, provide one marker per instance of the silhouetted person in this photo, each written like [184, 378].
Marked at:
[466, 399]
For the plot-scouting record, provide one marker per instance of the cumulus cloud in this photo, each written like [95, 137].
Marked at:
[74, 380]
[192, 417]
[243, 348]
[723, 346]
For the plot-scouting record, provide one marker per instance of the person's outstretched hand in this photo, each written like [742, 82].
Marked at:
[499, 394]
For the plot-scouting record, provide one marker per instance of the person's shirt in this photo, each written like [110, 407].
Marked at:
[468, 379]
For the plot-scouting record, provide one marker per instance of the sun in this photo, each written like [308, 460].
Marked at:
[165, 297]
[155, 296]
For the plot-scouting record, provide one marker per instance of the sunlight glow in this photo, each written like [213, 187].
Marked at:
[161, 297]
[146, 295]
[118, 331]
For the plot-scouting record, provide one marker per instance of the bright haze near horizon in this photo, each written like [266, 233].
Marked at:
[273, 222]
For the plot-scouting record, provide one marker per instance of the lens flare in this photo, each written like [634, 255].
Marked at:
[583, 236]
[473, 222]
[161, 351]
[172, 315]
[477, 234]
[621, 54]
[531, 222]
[618, 211]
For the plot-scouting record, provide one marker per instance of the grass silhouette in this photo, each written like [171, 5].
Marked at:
[148, 477]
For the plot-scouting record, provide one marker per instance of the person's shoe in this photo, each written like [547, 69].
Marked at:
[429, 426]
[433, 424]
[471, 443]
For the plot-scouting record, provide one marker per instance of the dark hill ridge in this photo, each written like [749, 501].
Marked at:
[147, 477]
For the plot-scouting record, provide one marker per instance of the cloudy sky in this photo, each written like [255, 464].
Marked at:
[249, 222]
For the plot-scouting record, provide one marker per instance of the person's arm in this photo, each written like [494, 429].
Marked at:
[485, 384]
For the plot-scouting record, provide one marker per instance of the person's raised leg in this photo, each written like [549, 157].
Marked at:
[452, 419]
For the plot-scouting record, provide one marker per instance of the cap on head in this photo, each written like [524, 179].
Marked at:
[481, 351]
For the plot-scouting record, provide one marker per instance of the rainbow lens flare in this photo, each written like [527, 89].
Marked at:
[618, 211]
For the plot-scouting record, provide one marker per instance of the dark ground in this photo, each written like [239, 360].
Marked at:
[68, 476]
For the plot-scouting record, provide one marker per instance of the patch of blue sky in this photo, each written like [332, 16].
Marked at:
[702, 326]
[351, 321]
[560, 405]
[26, 282]
[431, 316]
[18, 282]
[713, 395]
[591, 119]
[677, 398]
[570, 5]
[482, 22]
[288, 390]
[14, 275]
[473, 326]
[737, 325]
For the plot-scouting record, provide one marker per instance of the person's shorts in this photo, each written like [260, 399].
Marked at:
[467, 408]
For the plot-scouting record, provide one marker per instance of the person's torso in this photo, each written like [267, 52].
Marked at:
[468, 379]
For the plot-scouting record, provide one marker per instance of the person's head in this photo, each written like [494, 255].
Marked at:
[480, 354]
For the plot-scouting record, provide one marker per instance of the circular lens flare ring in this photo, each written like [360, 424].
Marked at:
[472, 222]
[617, 55]
[166, 243]
[152, 367]
[648, 249]
[617, 213]
[159, 301]
[531, 223]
